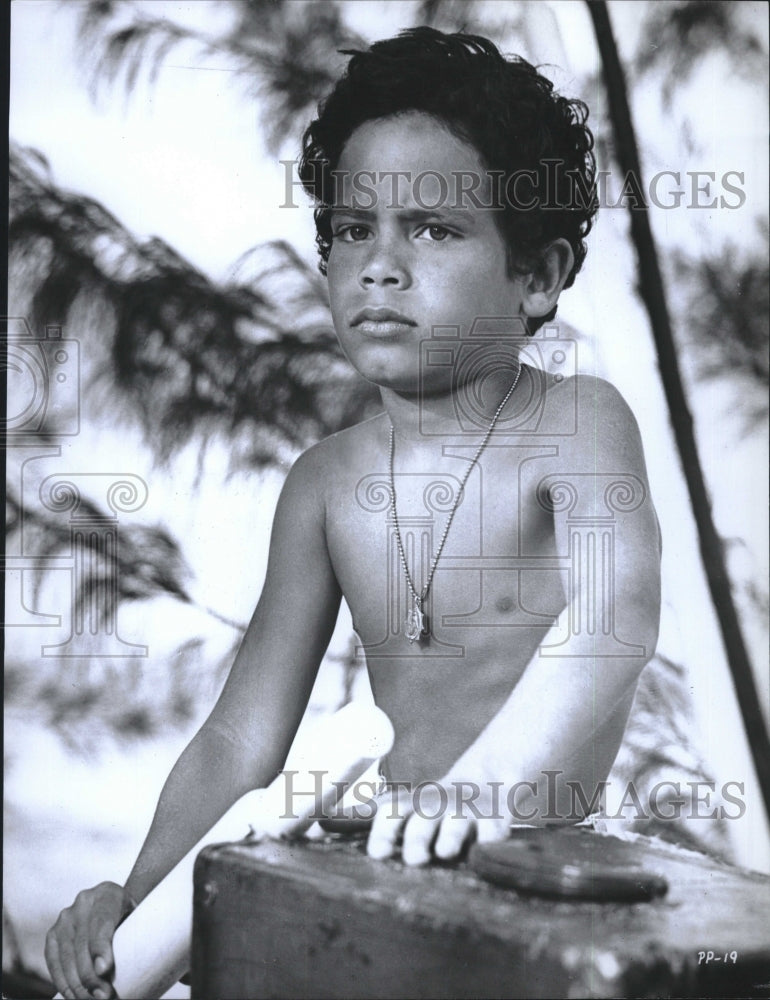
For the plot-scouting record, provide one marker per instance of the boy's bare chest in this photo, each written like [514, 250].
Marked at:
[484, 552]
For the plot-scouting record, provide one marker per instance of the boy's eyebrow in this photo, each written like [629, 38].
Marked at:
[443, 213]
[357, 213]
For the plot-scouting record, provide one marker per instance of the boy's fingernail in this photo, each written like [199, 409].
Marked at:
[99, 995]
[100, 966]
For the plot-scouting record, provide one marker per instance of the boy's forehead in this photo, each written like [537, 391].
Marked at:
[413, 140]
[411, 155]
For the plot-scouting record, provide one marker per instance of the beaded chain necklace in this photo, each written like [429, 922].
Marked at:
[416, 623]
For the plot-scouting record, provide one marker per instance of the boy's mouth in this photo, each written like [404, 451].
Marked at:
[381, 320]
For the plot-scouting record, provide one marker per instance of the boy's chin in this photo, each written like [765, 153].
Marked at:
[403, 384]
[410, 388]
[405, 379]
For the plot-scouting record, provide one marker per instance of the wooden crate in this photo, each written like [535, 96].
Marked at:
[321, 920]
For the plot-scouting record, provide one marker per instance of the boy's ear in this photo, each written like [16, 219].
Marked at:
[543, 286]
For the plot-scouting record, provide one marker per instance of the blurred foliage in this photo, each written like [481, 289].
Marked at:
[255, 359]
[287, 54]
[458, 15]
[676, 35]
[148, 562]
[92, 701]
[724, 321]
[89, 698]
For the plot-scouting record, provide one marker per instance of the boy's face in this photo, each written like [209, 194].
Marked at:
[399, 266]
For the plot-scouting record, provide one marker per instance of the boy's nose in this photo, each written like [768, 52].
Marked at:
[384, 267]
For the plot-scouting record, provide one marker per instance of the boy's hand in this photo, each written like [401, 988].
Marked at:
[435, 821]
[78, 948]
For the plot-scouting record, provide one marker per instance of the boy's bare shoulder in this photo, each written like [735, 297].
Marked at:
[597, 426]
[327, 460]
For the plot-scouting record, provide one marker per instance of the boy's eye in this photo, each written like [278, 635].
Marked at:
[351, 233]
[434, 233]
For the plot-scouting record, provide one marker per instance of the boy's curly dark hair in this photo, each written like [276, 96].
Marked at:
[502, 107]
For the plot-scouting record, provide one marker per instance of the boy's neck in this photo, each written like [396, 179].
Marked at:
[464, 410]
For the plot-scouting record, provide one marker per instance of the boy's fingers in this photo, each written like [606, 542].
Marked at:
[69, 968]
[386, 827]
[419, 835]
[383, 838]
[100, 986]
[102, 963]
[101, 950]
[452, 836]
[83, 960]
[53, 961]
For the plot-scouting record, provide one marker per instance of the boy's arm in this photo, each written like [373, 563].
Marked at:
[568, 711]
[244, 741]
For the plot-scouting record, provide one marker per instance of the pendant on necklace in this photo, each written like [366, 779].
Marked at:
[415, 624]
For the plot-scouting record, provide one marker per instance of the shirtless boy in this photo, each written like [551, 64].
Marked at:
[501, 644]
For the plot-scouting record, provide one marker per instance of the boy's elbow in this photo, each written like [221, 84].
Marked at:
[643, 622]
[649, 631]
